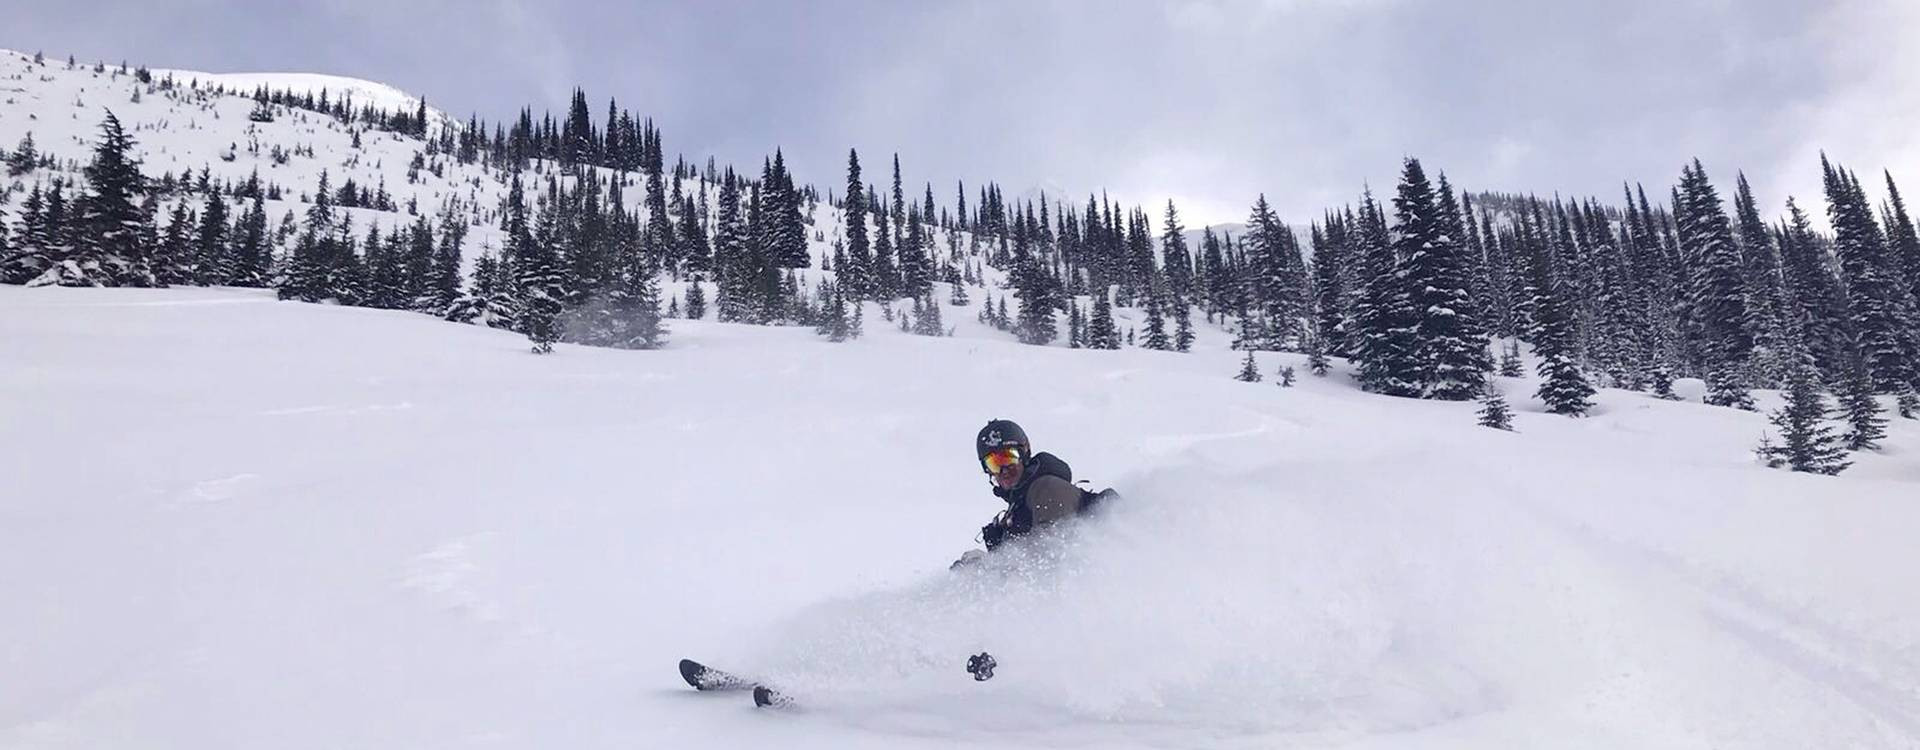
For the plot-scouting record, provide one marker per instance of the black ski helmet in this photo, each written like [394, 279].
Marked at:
[998, 434]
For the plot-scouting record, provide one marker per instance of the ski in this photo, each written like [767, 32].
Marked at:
[703, 677]
[766, 697]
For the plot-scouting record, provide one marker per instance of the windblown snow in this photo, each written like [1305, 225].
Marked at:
[235, 522]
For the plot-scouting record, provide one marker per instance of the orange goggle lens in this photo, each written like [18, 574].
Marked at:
[1001, 459]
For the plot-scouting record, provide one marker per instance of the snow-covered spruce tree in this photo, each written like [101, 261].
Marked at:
[1032, 285]
[696, 298]
[1286, 376]
[25, 157]
[28, 257]
[1175, 257]
[1076, 328]
[1494, 411]
[1249, 370]
[1660, 379]
[1156, 338]
[213, 261]
[1101, 332]
[171, 260]
[856, 275]
[540, 285]
[1717, 297]
[1903, 241]
[1877, 302]
[1317, 354]
[1563, 386]
[1854, 389]
[926, 319]
[1278, 278]
[736, 300]
[1510, 364]
[629, 314]
[1449, 345]
[252, 250]
[1768, 321]
[1183, 325]
[834, 323]
[1807, 443]
[1332, 272]
[1384, 323]
[106, 249]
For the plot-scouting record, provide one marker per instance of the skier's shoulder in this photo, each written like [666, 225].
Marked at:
[1045, 464]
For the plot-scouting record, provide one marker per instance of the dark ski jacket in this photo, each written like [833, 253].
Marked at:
[1045, 494]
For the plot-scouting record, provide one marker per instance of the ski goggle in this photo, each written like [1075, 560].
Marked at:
[1001, 459]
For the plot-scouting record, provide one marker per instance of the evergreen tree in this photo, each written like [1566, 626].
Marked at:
[926, 318]
[1661, 378]
[539, 286]
[213, 264]
[1183, 325]
[696, 300]
[1286, 376]
[1175, 257]
[252, 252]
[172, 259]
[1903, 242]
[1076, 327]
[1510, 364]
[1563, 386]
[1854, 387]
[1717, 297]
[1494, 411]
[1809, 444]
[443, 276]
[788, 246]
[1101, 332]
[856, 274]
[1034, 288]
[1448, 342]
[1249, 370]
[1877, 311]
[24, 158]
[1279, 280]
[736, 300]
[107, 250]
[1384, 322]
[29, 258]
[1156, 320]
[1317, 355]
[1333, 273]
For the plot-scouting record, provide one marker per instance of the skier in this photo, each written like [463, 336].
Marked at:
[1037, 487]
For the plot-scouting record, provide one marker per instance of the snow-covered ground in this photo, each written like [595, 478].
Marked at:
[229, 522]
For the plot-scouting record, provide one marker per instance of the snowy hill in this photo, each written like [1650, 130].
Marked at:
[390, 531]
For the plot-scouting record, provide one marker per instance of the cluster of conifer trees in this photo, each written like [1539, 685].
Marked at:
[1632, 296]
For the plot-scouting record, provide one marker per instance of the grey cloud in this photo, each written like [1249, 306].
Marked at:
[1206, 101]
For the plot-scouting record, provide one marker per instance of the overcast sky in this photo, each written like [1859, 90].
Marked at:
[1209, 102]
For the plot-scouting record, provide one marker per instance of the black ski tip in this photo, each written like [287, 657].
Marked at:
[766, 697]
[691, 671]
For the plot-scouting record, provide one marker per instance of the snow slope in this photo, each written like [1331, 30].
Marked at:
[228, 522]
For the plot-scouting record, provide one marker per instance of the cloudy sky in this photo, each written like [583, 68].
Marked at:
[1208, 102]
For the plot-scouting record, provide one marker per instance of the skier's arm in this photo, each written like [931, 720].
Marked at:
[1052, 499]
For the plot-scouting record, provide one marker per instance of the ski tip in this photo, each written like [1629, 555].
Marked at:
[691, 671]
[766, 697]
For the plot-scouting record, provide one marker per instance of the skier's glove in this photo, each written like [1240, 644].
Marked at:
[992, 534]
[970, 557]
